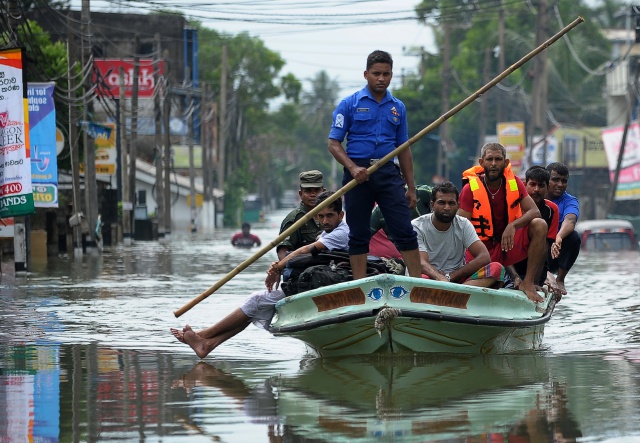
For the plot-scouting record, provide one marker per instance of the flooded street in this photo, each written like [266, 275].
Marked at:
[86, 355]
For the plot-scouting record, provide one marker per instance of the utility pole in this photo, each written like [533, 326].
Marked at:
[133, 153]
[611, 200]
[166, 106]
[158, 154]
[124, 169]
[501, 49]
[90, 184]
[75, 220]
[538, 121]
[192, 172]
[443, 147]
[222, 128]
[482, 132]
[214, 156]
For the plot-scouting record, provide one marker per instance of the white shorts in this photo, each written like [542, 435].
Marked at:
[260, 306]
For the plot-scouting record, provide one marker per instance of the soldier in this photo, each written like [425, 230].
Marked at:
[310, 186]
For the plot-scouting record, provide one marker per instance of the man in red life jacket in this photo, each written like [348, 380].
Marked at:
[506, 218]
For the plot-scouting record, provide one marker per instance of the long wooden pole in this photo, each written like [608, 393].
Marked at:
[352, 184]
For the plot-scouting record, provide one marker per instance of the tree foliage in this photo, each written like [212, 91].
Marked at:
[575, 68]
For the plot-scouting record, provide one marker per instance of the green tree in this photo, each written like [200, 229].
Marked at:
[575, 74]
[252, 81]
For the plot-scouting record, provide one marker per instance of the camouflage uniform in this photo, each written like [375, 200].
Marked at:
[304, 235]
[307, 233]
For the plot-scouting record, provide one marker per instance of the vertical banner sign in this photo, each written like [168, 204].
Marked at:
[629, 178]
[106, 154]
[511, 136]
[16, 197]
[42, 135]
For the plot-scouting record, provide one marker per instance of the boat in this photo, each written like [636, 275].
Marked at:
[396, 315]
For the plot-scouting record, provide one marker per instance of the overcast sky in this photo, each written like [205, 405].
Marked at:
[334, 35]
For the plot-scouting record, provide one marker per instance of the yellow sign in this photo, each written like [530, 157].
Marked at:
[198, 200]
[106, 155]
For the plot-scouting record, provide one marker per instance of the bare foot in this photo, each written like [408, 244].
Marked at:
[178, 334]
[530, 290]
[560, 285]
[202, 347]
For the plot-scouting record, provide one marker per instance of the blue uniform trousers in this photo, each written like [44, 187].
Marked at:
[385, 187]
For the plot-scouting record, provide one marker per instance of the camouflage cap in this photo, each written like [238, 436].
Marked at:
[311, 179]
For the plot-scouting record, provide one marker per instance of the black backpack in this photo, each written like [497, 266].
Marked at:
[322, 275]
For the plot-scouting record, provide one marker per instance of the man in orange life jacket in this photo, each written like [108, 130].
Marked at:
[506, 218]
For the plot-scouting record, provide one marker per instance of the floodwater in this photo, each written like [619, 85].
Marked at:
[86, 355]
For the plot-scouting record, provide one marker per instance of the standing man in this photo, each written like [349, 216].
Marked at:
[506, 219]
[310, 186]
[567, 244]
[443, 238]
[245, 239]
[374, 124]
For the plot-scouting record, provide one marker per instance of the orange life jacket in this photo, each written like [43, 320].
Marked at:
[482, 214]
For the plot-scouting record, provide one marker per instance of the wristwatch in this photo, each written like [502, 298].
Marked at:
[448, 276]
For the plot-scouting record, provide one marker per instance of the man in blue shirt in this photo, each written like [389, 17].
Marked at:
[374, 124]
[567, 244]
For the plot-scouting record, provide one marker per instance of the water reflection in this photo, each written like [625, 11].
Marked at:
[85, 355]
[90, 393]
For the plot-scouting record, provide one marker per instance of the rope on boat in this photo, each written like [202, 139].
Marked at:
[384, 317]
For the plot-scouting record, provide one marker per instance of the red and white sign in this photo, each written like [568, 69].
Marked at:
[109, 69]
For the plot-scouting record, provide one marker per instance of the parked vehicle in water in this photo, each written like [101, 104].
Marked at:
[607, 235]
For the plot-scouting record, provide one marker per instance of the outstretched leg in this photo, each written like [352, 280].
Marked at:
[203, 346]
[206, 340]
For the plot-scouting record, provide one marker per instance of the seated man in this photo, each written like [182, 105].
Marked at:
[259, 308]
[310, 186]
[506, 219]
[381, 244]
[334, 236]
[537, 185]
[245, 239]
[568, 240]
[443, 238]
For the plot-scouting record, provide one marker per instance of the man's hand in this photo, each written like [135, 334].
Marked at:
[412, 197]
[359, 173]
[507, 237]
[273, 277]
[556, 247]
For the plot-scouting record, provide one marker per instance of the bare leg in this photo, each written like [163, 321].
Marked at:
[203, 346]
[412, 261]
[562, 273]
[486, 282]
[358, 265]
[235, 322]
[537, 253]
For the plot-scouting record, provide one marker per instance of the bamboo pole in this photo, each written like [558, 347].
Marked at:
[352, 184]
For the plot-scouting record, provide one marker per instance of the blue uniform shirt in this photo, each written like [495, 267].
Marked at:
[372, 129]
[567, 204]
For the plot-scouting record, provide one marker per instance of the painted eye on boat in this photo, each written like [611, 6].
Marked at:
[375, 294]
[398, 292]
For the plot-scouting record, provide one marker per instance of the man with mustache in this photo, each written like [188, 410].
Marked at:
[443, 238]
[506, 219]
[259, 307]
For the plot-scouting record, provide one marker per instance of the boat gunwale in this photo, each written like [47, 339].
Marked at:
[427, 315]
